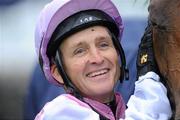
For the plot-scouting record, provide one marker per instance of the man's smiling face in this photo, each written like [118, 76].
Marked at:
[91, 62]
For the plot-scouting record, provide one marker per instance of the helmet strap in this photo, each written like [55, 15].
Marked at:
[71, 89]
[124, 69]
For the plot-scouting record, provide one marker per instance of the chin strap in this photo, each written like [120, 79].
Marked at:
[71, 89]
[124, 69]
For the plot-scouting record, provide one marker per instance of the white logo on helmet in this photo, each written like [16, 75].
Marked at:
[86, 19]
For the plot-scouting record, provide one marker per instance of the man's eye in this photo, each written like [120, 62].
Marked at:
[79, 51]
[104, 45]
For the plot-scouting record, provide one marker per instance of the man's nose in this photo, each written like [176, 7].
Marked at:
[96, 57]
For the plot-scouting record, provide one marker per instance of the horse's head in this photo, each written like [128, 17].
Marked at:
[165, 13]
[165, 18]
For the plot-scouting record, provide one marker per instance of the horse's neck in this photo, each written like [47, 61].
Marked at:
[167, 53]
[173, 62]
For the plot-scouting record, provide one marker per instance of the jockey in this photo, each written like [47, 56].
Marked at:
[77, 43]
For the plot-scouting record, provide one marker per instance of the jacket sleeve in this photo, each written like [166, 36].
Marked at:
[149, 101]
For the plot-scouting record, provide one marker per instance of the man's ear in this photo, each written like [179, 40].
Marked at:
[56, 75]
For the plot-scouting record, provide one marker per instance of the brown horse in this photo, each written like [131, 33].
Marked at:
[165, 17]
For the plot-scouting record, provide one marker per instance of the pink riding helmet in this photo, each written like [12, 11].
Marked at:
[58, 10]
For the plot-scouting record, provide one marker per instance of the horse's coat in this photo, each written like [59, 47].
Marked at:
[165, 17]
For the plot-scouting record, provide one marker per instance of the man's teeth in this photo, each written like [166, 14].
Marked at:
[94, 74]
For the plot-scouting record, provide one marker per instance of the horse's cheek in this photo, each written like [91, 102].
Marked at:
[160, 51]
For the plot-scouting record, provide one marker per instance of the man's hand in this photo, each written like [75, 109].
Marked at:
[145, 58]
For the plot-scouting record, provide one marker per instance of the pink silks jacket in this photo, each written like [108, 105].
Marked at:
[149, 102]
[68, 107]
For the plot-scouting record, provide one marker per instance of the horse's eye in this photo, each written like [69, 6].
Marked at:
[161, 27]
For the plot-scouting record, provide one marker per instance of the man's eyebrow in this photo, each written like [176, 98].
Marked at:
[102, 37]
[77, 44]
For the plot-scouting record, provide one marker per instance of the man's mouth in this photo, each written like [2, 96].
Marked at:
[98, 73]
